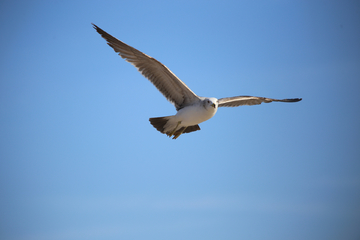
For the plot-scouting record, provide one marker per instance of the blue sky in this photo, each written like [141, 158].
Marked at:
[80, 160]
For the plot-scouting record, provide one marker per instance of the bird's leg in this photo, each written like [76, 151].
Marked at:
[172, 133]
[176, 135]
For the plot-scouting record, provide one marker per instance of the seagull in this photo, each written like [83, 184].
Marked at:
[191, 108]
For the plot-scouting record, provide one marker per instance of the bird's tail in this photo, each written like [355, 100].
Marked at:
[172, 130]
[159, 123]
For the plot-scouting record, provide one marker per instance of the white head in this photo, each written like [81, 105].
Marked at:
[210, 104]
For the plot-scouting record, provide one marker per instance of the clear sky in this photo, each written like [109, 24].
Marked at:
[80, 160]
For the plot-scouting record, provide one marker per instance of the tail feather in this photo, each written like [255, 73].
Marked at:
[189, 129]
[160, 122]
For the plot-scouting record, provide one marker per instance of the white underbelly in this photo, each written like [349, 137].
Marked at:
[193, 115]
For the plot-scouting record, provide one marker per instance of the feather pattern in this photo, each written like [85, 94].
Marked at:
[157, 73]
[250, 100]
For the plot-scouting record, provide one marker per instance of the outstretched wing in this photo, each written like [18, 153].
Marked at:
[250, 100]
[164, 80]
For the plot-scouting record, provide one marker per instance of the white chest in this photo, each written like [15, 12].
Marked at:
[193, 115]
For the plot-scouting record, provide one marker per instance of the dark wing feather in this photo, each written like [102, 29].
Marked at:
[164, 80]
[250, 100]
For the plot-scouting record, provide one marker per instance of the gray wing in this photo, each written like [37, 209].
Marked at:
[250, 100]
[164, 80]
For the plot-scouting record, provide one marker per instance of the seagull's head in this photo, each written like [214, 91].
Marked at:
[210, 103]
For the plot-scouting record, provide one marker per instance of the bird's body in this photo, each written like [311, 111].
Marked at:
[191, 109]
[197, 113]
[187, 118]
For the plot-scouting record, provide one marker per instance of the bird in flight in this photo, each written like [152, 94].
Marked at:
[191, 108]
